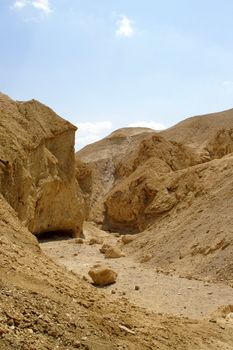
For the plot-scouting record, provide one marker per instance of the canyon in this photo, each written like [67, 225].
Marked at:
[163, 199]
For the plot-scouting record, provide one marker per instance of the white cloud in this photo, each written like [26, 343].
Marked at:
[20, 4]
[94, 128]
[43, 5]
[91, 132]
[125, 27]
[151, 125]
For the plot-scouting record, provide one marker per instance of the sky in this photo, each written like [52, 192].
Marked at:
[107, 64]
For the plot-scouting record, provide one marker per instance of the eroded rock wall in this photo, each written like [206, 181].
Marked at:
[37, 167]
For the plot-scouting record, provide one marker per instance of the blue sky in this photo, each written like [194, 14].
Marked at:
[106, 64]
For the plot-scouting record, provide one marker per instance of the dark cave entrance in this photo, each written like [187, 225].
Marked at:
[50, 236]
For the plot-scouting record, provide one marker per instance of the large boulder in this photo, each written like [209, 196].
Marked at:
[102, 275]
[37, 167]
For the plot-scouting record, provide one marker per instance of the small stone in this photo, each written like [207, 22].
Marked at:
[113, 291]
[126, 329]
[95, 240]
[212, 320]
[146, 258]
[104, 248]
[127, 239]
[3, 329]
[113, 253]
[136, 287]
[115, 234]
[79, 241]
[77, 344]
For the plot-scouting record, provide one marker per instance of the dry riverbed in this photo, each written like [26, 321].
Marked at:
[141, 285]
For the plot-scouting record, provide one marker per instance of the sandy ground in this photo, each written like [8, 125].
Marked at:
[157, 292]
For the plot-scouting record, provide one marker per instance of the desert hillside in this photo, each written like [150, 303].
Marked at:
[198, 131]
[173, 188]
[45, 305]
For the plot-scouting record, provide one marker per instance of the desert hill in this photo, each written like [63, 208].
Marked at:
[175, 187]
[43, 305]
[112, 145]
[125, 151]
[198, 131]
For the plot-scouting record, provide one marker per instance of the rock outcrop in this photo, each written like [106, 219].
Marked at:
[96, 167]
[37, 167]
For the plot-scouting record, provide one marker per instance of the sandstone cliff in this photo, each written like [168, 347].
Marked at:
[37, 167]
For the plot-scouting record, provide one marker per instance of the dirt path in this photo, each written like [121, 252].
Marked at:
[157, 292]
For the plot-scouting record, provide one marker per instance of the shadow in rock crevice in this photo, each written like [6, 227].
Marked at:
[51, 236]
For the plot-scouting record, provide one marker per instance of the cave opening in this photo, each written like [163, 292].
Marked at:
[50, 236]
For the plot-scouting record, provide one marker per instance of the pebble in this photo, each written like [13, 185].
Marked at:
[77, 344]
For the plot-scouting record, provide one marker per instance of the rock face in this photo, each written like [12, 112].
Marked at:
[96, 167]
[37, 167]
[141, 191]
[102, 275]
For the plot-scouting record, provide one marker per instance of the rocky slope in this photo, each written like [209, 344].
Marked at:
[37, 171]
[175, 187]
[43, 306]
[194, 238]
